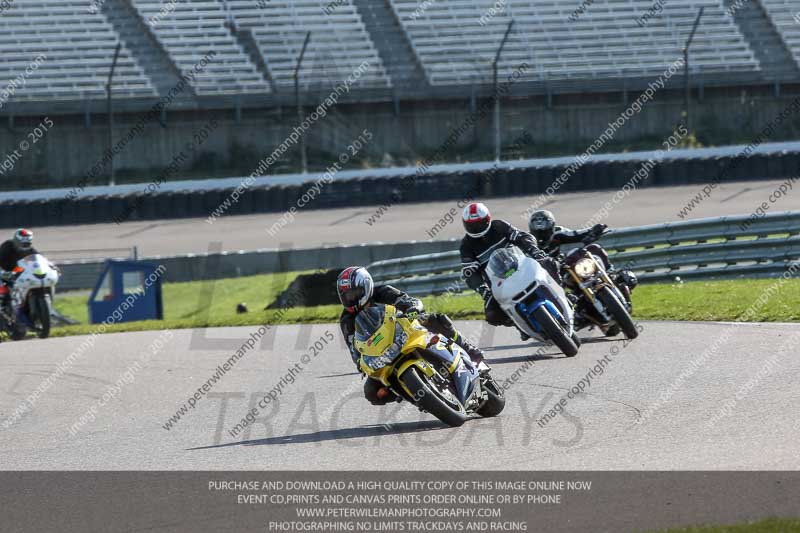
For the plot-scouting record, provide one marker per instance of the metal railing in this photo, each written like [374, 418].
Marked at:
[712, 248]
[89, 254]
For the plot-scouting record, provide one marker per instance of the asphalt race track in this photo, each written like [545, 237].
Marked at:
[656, 406]
[404, 222]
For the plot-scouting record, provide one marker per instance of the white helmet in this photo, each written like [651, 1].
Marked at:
[477, 220]
[23, 240]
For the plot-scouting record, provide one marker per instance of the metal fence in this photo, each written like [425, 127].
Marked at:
[712, 248]
[83, 274]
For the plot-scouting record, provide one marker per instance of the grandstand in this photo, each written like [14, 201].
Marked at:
[76, 47]
[413, 49]
[340, 41]
[457, 43]
[785, 14]
[190, 31]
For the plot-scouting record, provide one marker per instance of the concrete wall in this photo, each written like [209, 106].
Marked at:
[72, 147]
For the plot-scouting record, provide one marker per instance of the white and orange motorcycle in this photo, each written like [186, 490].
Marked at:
[31, 287]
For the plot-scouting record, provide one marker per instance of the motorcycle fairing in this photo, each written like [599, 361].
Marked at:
[459, 365]
[393, 337]
[527, 310]
[528, 288]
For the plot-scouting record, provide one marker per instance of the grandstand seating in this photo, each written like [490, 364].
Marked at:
[452, 43]
[189, 30]
[339, 42]
[604, 41]
[78, 46]
[785, 14]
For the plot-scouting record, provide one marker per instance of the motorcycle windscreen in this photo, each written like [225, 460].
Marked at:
[27, 262]
[504, 262]
[378, 338]
[34, 263]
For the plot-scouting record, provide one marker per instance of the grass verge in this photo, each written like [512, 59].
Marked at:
[184, 307]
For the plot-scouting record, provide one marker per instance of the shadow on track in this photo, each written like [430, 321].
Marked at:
[596, 340]
[510, 346]
[525, 358]
[535, 344]
[338, 375]
[542, 357]
[363, 432]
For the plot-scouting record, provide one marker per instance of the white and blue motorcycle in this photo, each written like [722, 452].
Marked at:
[535, 301]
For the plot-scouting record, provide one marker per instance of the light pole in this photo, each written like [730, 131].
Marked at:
[496, 94]
[110, 111]
[688, 90]
[303, 155]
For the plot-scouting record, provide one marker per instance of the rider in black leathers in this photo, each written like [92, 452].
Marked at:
[16, 248]
[11, 251]
[483, 237]
[551, 237]
[357, 291]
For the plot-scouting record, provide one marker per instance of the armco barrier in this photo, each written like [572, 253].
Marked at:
[699, 249]
[713, 248]
[193, 267]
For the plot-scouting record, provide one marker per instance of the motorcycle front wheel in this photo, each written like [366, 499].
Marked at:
[40, 315]
[496, 402]
[617, 310]
[555, 332]
[444, 406]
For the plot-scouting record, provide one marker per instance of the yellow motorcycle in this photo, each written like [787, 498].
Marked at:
[428, 370]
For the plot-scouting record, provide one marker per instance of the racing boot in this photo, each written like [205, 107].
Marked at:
[385, 395]
[626, 281]
[475, 354]
[377, 394]
[441, 323]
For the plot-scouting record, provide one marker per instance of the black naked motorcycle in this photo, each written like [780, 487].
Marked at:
[599, 300]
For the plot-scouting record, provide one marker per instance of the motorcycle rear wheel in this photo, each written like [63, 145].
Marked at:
[18, 333]
[431, 400]
[555, 332]
[15, 331]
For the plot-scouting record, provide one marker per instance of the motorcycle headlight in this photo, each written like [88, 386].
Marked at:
[585, 268]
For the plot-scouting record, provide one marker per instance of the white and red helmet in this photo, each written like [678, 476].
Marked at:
[354, 286]
[477, 219]
[23, 239]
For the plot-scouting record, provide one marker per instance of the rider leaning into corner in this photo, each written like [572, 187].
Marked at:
[551, 237]
[11, 251]
[483, 237]
[357, 291]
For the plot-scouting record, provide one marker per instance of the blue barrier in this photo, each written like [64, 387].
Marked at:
[127, 291]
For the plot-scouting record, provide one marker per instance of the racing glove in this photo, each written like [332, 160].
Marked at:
[410, 306]
[534, 252]
[596, 232]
